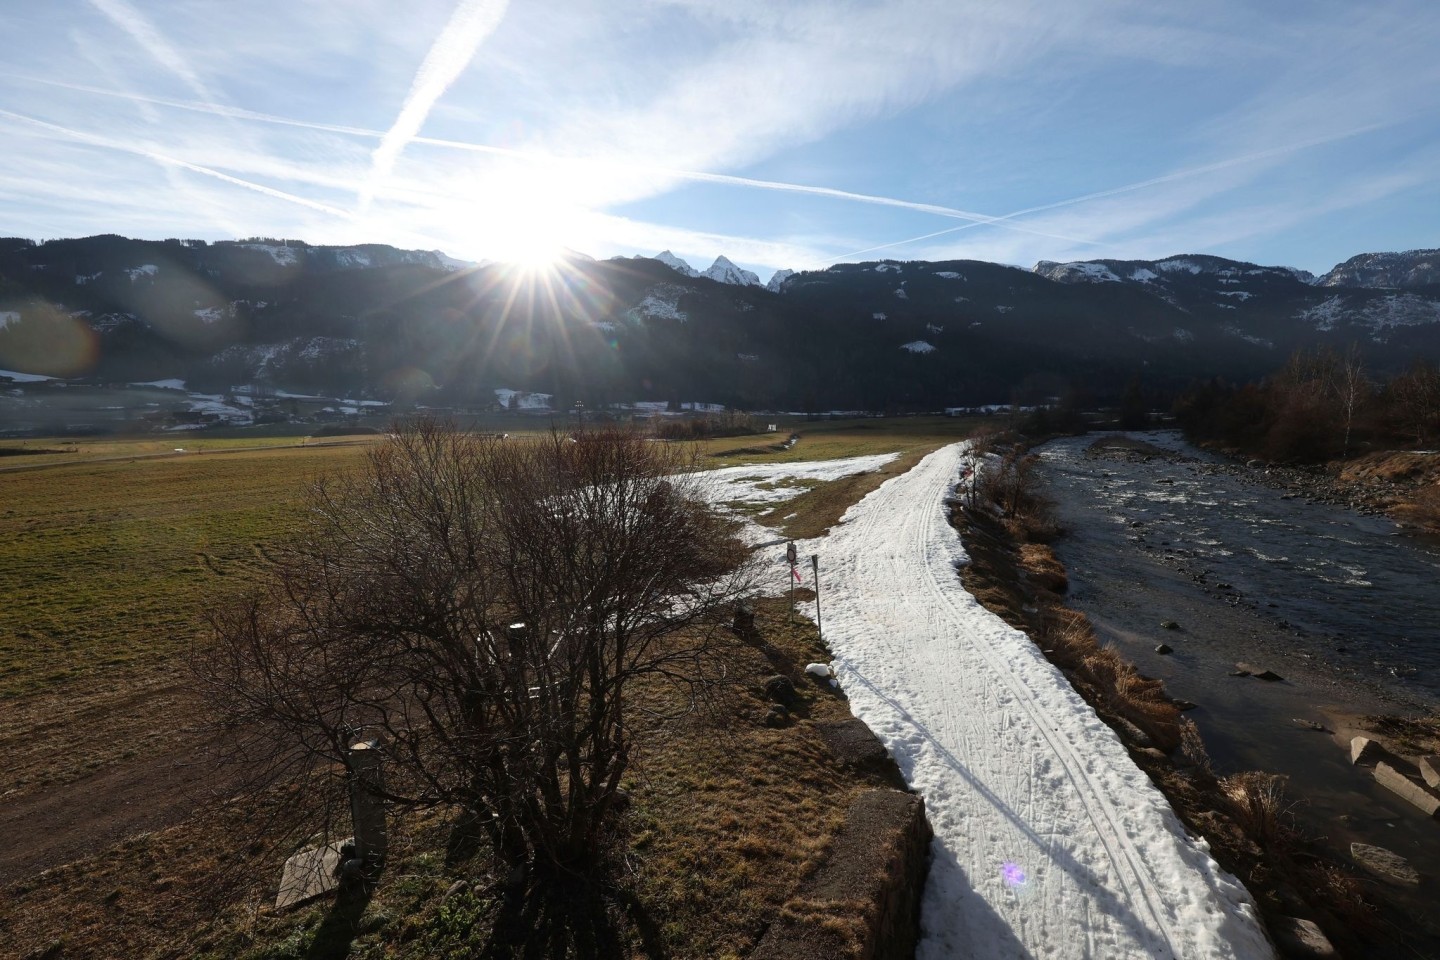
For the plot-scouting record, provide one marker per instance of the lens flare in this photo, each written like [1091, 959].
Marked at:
[1013, 875]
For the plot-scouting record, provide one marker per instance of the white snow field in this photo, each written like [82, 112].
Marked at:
[1049, 841]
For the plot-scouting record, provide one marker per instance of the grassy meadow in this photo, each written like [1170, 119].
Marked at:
[111, 550]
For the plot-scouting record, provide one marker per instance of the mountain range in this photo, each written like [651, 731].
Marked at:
[376, 321]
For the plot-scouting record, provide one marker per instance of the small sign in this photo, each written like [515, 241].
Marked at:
[790, 555]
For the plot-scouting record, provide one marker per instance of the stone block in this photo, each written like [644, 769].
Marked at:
[1407, 789]
[1430, 770]
[880, 859]
[1365, 750]
[311, 873]
[1302, 939]
[1384, 863]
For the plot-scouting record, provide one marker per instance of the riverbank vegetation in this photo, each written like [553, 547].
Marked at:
[1323, 407]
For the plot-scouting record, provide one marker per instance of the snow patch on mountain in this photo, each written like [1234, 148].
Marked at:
[1144, 275]
[918, 346]
[209, 315]
[144, 270]
[1076, 272]
[81, 279]
[1241, 295]
[777, 280]
[282, 255]
[675, 263]
[662, 301]
[1178, 265]
[1249, 338]
[886, 267]
[8, 317]
[878, 316]
[900, 292]
[949, 275]
[1324, 314]
[723, 271]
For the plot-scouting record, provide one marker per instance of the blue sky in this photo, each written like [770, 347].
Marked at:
[794, 134]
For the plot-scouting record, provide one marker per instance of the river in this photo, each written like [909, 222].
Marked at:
[1345, 608]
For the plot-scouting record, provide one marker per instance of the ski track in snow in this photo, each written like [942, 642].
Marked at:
[1049, 841]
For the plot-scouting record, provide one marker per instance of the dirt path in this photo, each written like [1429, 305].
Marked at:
[47, 828]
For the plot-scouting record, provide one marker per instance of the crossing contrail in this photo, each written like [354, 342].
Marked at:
[158, 157]
[469, 25]
[143, 32]
[1127, 188]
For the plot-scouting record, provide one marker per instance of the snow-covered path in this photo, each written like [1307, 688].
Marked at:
[1049, 841]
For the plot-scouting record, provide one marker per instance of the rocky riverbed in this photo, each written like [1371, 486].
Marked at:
[1227, 564]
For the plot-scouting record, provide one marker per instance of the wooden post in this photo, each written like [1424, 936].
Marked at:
[367, 808]
[815, 565]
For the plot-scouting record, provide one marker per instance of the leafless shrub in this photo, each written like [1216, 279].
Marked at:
[481, 607]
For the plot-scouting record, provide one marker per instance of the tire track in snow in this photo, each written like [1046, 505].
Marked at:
[891, 560]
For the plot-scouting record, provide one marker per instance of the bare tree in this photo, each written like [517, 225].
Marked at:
[484, 608]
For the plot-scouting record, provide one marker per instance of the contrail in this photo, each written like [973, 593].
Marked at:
[1127, 188]
[176, 162]
[469, 25]
[238, 113]
[143, 32]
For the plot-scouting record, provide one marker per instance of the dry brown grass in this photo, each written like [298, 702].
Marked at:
[1259, 805]
[727, 819]
[1044, 569]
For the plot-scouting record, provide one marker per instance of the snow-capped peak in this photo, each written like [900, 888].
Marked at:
[723, 271]
[778, 280]
[676, 264]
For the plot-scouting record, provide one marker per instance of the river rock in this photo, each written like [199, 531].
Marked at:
[1164, 648]
[1260, 673]
[1407, 789]
[1301, 939]
[1364, 750]
[1169, 625]
[1384, 863]
[1430, 770]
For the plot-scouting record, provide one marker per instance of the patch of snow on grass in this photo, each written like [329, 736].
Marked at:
[1144, 275]
[1178, 265]
[878, 316]
[8, 317]
[1241, 295]
[900, 292]
[209, 315]
[949, 275]
[918, 346]
[144, 270]
[19, 377]
[525, 401]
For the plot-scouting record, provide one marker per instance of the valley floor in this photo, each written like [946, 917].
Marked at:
[1049, 841]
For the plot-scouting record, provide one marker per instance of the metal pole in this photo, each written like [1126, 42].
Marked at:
[815, 565]
[790, 559]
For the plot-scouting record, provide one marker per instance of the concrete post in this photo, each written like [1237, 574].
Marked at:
[367, 809]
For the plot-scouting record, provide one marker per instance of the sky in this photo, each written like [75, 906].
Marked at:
[782, 135]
